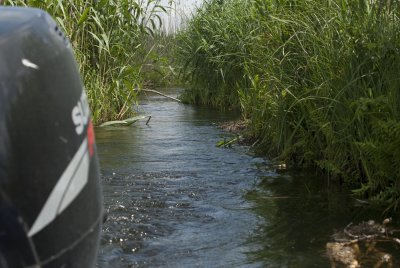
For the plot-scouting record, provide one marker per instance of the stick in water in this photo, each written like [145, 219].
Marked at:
[148, 120]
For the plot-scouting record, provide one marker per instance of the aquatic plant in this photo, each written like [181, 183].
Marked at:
[318, 79]
[108, 39]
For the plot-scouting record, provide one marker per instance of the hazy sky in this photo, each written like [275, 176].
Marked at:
[186, 5]
[182, 10]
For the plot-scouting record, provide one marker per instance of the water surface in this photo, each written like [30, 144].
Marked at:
[174, 199]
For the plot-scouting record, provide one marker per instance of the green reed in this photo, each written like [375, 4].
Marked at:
[317, 79]
[108, 38]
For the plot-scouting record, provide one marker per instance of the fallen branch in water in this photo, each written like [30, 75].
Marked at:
[126, 122]
[159, 93]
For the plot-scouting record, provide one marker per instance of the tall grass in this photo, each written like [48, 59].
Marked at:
[318, 80]
[214, 52]
[108, 37]
[160, 69]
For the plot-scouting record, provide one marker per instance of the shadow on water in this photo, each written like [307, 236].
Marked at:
[301, 213]
[176, 200]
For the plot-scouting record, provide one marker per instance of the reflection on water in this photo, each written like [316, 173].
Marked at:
[301, 213]
[176, 200]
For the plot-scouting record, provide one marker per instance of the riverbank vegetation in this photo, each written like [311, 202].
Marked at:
[319, 81]
[115, 43]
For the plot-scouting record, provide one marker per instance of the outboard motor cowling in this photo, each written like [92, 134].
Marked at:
[50, 194]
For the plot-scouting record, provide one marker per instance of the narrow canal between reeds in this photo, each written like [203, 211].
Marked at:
[174, 199]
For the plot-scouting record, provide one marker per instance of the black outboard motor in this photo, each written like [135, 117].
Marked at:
[50, 194]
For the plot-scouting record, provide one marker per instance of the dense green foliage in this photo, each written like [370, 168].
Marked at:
[110, 39]
[160, 69]
[318, 79]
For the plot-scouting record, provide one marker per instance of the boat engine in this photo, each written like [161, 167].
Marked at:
[50, 194]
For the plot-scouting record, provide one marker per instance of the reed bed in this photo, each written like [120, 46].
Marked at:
[318, 80]
[109, 38]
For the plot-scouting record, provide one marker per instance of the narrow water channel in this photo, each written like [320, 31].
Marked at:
[174, 199]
